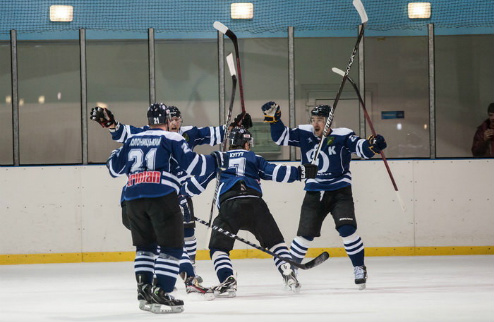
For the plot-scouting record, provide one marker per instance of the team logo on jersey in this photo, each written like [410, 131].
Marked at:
[186, 137]
[329, 140]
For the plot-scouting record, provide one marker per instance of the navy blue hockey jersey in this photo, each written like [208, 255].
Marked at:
[334, 157]
[152, 160]
[246, 166]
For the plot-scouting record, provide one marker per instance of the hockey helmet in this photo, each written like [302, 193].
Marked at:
[173, 111]
[157, 114]
[239, 136]
[321, 110]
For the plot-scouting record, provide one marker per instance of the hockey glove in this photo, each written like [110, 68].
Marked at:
[246, 122]
[222, 159]
[272, 112]
[377, 143]
[103, 116]
[308, 171]
[184, 207]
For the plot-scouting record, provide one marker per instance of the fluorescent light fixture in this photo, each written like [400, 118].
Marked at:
[419, 10]
[242, 10]
[61, 13]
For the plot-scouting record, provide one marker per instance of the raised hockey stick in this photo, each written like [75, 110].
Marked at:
[310, 264]
[231, 68]
[363, 17]
[369, 121]
[230, 34]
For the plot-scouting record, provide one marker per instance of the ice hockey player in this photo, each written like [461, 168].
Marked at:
[241, 207]
[331, 190]
[150, 160]
[194, 136]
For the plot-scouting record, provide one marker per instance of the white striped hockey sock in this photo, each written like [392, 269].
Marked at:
[354, 247]
[166, 271]
[191, 248]
[299, 248]
[222, 265]
[281, 250]
[144, 265]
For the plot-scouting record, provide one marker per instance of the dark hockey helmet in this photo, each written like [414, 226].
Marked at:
[321, 110]
[238, 137]
[157, 114]
[173, 111]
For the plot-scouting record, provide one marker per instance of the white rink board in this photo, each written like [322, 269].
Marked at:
[71, 209]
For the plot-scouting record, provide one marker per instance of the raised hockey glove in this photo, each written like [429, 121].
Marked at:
[221, 158]
[272, 112]
[246, 122]
[377, 143]
[103, 116]
[308, 171]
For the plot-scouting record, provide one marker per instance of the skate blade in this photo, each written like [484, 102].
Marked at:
[145, 305]
[361, 286]
[293, 288]
[228, 294]
[165, 309]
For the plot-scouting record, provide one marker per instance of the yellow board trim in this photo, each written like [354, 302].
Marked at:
[244, 253]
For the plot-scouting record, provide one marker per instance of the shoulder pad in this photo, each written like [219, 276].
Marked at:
[306, 127]
[342, 131]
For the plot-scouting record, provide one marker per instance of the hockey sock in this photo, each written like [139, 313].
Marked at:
[186, 265]
[353, 244]
[299, 247]
[190, 244]
[166, 268]
[144, 264]
[222, 264]
[281, 250]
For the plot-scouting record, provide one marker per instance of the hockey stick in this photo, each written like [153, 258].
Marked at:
[367, 117]
[363, 17]
[231, 68]
[310, 264]
[230, 34]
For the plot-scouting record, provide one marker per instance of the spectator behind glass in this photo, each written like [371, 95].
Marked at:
[483, 141]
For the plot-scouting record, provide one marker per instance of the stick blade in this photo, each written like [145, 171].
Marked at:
[338, 71]
[316, 261]
[361, 10]
[231, 65]
[220, 27]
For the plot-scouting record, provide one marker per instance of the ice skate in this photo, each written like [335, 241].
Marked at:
[144, 296]
[226, 289]
[360, 276]
[164, 302]
[193, 286]
[290, 278]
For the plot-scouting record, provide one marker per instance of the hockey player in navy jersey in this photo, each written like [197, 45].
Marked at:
[150, 160]
[241, 207]
[194, 136]
[331, 190]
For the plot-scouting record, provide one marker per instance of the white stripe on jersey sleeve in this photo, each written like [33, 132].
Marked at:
[193, 164]
[125, 134]
[283, 140]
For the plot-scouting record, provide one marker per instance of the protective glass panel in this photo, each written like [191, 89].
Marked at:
[316, 84]
[49, 102]
[6, 147]
[464, 87]
[187, 77]
[118, 78]
[264, 69]
[397, 93]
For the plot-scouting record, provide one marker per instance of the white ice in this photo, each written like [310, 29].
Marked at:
[432, 288]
